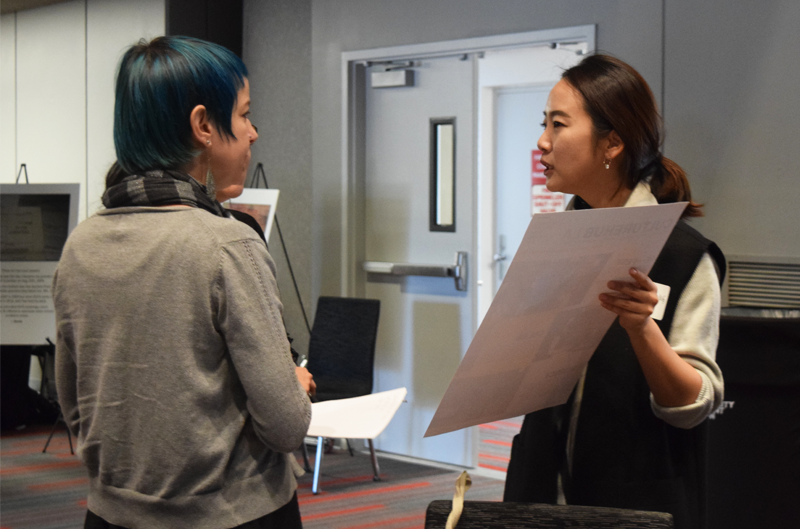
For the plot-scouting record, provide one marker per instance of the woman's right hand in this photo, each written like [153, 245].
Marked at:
[306, 380]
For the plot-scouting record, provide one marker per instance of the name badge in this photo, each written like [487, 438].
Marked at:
[661, 306]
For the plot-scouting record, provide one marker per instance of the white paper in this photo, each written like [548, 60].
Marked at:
[261, 204]
[357, 418]
[661, 306]
[27, 313]
[546, 320]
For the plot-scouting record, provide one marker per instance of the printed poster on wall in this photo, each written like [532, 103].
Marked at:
[35, 220]
[543, 200]
[259, 204]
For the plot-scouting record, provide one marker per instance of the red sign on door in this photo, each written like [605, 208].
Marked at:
[542, 200]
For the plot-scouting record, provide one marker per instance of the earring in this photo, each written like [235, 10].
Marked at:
[211, 188]
[208, 142]
[606, 164]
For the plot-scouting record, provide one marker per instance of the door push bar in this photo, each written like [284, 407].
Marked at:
[457, 271]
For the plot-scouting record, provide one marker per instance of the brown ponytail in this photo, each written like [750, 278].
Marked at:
[617, 98]
[669, 184]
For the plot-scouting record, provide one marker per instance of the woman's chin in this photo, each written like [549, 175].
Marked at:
[229, 193]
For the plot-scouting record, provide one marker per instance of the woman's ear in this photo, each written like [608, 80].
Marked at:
[614, 145]
[201, 126]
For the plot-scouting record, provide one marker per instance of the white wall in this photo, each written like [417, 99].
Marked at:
[112, 26]
[57, 80]
[50, 94]
[57, 69]
[8, 96]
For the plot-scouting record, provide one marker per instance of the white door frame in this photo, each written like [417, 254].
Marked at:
[353, 105]
[353, 177]
[490, 84]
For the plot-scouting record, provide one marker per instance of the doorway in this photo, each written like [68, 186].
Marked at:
[390, 221]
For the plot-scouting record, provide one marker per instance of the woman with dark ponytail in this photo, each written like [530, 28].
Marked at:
[632, 435]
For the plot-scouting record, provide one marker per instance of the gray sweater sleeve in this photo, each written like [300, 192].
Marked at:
[250, 318]
[66, 370]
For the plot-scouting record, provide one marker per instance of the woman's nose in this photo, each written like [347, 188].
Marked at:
[544, 142]
[253, 134]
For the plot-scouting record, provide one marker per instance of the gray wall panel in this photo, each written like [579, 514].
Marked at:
[732, 117]
[628, 28]
[728, 85]
[277, 51]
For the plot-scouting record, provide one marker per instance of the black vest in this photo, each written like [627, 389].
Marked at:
[624, 456]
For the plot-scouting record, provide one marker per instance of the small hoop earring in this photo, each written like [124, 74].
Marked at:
[607, 164]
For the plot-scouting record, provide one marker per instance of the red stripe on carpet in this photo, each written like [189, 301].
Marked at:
[59, 484]
[28, 432]
[367, 477]
[55, 441]
[310, 517]
[496, 458]
[493, 467]
[82, 503]
[368, 492]
[509, 424]
[387, 522]
[487, 426]
[495, 442]
[23, 452]
[37, 468]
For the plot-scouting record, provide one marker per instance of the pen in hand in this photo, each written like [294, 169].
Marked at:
[302, 373]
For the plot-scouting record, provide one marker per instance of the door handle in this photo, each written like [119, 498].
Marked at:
[458, 270]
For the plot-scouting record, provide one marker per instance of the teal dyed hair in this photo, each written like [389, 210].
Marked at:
[158, 84]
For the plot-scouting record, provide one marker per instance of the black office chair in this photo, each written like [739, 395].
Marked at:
[501, 515]
[341, 356]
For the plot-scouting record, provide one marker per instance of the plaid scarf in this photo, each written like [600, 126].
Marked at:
[161, 188]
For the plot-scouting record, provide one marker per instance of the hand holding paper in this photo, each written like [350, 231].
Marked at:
[633, 301]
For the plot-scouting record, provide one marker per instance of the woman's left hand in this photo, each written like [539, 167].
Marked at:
[306, 380]
[633, 301]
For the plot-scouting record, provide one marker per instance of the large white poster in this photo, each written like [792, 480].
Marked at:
[27, 315]
[35, 220]
[546, 320]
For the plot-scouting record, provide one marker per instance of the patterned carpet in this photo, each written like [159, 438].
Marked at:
[48, 491]
[495, 447]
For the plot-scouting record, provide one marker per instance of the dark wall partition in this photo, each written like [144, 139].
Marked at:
[754, 457]
[218, 21]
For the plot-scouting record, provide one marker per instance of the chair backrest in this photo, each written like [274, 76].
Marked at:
[341, 351]
[497, 515]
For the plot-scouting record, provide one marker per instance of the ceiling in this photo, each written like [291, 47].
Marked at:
[9, 6]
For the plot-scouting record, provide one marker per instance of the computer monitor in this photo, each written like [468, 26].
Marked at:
[35, 220]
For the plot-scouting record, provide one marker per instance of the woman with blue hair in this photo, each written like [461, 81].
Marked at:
[173, 367]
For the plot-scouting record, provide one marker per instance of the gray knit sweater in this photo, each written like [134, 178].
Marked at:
[173, 369]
